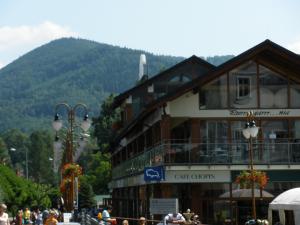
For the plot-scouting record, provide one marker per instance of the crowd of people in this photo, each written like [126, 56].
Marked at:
[30, 217]
[51, 217]
[104, 218]
[36, 217]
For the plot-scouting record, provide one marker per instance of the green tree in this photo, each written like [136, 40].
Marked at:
[97, 168]
[42, 196]
[16, 139]
[18, 192]
[86, 194]
[40, 150]
[4, 157]
[103, 124]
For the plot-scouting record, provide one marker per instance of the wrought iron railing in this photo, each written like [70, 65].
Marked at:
[172, 152]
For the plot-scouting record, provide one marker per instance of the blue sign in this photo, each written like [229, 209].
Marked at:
[155, 173]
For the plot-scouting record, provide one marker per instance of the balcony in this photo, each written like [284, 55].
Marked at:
[172, 152]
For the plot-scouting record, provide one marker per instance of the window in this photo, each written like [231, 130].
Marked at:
[243, 87]
[180, 78]
[214, 94]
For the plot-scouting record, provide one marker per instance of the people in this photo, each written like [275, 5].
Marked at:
[45, 216]
[196, 220]
[257, 222]
[4, 220]
[52, 218]
[33, 217]
[125, 222]
[174, 218]
[26, 216]
[39, 217]
[142, 221]
[107, 220]
[19, 217]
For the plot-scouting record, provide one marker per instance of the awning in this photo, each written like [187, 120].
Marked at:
[247, 193]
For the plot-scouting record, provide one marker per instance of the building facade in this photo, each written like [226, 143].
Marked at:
[188, 121]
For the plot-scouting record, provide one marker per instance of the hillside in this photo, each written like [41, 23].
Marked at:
[68, 70]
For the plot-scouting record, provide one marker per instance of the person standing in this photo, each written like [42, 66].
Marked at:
[107, 220]
[45, 216]
[26, 216]
[173, 219]
[142, 221]
[39, 218]
[19, 217]
[52, 218]
[3, 215]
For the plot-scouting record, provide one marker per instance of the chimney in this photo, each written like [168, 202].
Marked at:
[143, 62]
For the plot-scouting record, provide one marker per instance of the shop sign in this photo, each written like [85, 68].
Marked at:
[190, 176]
[162, 206]
[243, 113]
[154, 173]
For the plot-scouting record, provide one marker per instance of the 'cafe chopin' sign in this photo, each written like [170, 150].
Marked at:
[194, 176]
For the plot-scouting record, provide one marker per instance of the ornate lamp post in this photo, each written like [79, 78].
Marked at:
[68, 193]
[251, 131]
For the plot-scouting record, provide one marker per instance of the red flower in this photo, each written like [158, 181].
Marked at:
[245, 178]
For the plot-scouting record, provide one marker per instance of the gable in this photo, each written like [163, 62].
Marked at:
[186, 70]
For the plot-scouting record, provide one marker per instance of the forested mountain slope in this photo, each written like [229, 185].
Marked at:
[69, 70]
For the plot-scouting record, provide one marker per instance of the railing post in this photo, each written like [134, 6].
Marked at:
[289, 160]
[269, 154]
[189, 152]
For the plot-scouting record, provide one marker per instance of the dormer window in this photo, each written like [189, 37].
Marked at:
[243, 87]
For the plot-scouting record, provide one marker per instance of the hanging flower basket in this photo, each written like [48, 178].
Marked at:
[72, 169]
[244, 179]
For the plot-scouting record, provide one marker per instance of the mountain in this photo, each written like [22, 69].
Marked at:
[68, 70]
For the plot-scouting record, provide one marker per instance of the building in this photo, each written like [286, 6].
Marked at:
[189, 119]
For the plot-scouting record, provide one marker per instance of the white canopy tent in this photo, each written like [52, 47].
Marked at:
[288, 200]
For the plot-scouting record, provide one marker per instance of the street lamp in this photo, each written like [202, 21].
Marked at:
[251, 131]
[26, 159]
[69, 142]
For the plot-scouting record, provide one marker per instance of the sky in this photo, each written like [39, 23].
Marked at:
[167, 27]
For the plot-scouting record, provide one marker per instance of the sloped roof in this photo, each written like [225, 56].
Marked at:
[193, 59]
[260, 52]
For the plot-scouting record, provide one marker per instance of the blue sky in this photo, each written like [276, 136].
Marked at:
[169, 27]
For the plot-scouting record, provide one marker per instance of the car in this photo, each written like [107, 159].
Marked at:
[152, 173]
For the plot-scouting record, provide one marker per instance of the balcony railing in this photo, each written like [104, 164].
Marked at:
[269, 152]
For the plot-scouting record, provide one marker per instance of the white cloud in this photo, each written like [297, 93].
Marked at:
[294, 46]
[2, 64]
[16, 41]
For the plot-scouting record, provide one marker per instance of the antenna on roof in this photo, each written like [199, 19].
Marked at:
[142, 66]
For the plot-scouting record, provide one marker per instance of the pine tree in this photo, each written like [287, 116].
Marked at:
[86, 194]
